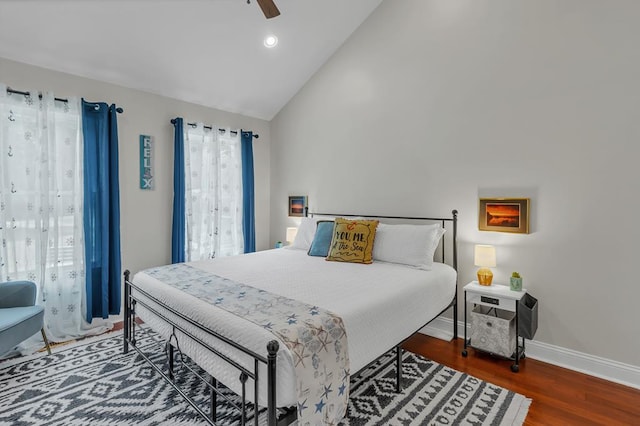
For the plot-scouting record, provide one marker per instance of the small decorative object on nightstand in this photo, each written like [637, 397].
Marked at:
[515, 283]
[485, 257]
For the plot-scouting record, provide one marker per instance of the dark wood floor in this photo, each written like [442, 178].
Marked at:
[560, 396]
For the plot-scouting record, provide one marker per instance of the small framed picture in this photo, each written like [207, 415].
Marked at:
[297, 204]
[504, 215]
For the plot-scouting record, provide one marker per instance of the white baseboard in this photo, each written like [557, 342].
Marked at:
[614, 371]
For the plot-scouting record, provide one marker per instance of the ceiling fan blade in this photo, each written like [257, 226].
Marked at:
[268, 8]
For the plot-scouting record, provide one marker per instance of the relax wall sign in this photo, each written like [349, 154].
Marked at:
[146, 162]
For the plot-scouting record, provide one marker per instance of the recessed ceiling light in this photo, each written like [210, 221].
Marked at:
[270, 41]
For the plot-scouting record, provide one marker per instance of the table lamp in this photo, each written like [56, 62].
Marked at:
[485, 257]
[291, 234]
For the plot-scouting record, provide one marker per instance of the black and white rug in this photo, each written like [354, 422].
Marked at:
[92, 383]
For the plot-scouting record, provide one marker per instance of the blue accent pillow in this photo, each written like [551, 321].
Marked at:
[322, 239]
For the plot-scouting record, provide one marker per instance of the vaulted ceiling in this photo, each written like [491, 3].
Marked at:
[209, 52]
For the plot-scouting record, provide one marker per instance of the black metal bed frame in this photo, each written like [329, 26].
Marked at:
[287, 415]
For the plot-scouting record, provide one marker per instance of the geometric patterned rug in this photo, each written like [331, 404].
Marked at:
[91, 382]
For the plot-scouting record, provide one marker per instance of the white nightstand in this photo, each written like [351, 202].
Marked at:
[507, 301]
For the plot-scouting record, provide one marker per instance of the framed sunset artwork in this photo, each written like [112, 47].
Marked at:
[297, 204]
[504, 215]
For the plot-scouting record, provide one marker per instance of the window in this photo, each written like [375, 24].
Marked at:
[41, 185]
[213, 192]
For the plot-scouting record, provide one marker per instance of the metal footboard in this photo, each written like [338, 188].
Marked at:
[133, 299]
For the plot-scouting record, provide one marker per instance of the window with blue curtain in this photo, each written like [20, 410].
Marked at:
[59, 213]
[101, 209]
[213, 206]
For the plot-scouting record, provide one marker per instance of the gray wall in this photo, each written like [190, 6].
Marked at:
[146, 215]
[433, 104]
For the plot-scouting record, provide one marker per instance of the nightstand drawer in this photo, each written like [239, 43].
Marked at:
[492, 301]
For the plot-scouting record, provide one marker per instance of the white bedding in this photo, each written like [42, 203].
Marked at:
[380, 304]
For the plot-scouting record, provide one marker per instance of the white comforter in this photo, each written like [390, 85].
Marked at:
[381, 304]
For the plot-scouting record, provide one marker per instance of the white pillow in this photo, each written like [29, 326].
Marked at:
[412, 245]
[306, 232]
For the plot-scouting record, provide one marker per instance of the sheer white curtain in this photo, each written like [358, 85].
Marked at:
[41, 196]
[213, 192]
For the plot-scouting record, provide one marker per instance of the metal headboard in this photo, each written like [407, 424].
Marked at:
[443, 221]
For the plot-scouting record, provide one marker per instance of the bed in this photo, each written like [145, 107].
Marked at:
[380, 305]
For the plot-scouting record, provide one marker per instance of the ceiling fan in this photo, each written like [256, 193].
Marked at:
[268, 8]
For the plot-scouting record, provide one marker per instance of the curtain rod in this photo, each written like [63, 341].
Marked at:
[20, 92]
[234, 132]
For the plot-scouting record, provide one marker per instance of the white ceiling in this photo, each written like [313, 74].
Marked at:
[208, 52]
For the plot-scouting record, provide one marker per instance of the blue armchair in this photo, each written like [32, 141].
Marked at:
[20, 317]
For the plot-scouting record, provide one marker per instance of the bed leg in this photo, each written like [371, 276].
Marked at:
[243, 380]
[127, 312]
[272, 350]
[455, 318]
[213, 400]
[398, 368]
[132, 321]
[170, 359]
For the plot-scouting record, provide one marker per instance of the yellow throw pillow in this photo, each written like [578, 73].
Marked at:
[352, 240]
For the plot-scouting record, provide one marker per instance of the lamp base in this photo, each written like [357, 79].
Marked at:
[485, 276]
